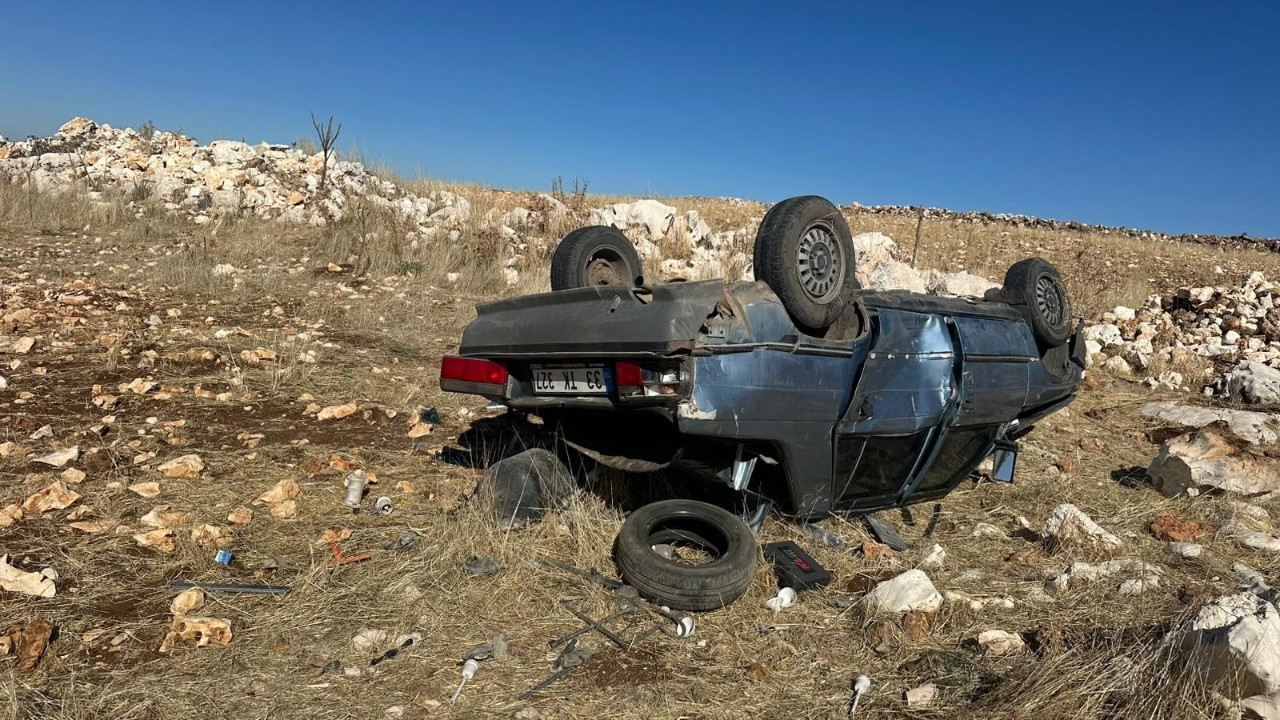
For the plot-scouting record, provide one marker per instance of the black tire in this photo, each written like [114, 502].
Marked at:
[804, 251]
[1035, 287]
[595, 255]
[679, 585]
[523, 487]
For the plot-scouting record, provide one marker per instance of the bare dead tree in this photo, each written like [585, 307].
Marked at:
[327, 135]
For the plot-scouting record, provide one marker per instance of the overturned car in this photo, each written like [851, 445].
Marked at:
[800, 386]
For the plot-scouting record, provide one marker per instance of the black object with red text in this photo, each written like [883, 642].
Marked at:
[795, 568]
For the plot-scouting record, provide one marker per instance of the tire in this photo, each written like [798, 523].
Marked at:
[676, 584]
[1035, 287]
[522, 488]
[804, 251]
[595, 255]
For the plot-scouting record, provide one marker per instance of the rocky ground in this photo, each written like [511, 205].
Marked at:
[171, 387]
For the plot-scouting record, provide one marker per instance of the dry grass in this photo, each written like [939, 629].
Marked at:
[378, 328]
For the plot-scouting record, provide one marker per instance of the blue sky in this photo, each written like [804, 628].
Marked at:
[1159, 115]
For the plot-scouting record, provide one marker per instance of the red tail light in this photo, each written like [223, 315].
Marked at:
[628, 375]
[634, 379]
[461, 374]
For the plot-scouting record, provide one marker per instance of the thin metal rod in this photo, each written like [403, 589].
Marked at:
[547, 683]
[613, 637]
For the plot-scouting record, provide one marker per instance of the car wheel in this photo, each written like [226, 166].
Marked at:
[1042, 299]
[523, 487]
[595, 255]
[805, 253]
[714, 560]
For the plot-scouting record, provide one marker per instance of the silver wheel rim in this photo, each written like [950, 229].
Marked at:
[1049, 300]
[819, 263]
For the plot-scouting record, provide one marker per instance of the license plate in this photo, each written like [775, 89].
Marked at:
[570, 379]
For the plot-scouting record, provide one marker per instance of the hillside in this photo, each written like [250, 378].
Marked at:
[200, 344]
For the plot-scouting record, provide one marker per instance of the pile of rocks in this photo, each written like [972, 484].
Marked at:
[1236, 328]
[225, 176]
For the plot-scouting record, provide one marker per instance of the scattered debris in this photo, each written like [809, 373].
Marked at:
[756, 673]
[912, 590]
[1068, 524]
[188, 601]
[934, 557]
[337, 412]
[369, 640]
[340, 559]
[876, 553]
[161, 539]
[208, 535]
[146, 489]
[922, 696]
[861, 686]
[355, 485]
[37, 584]
[186, 466]
[1140, 576]
[283, 491]
[479, 566]
[822, 535]
[406, 540]
[795, 568]
[999, 643]
[885, 533]
[1168, 528]
[29, 642]
[194, 632]
[56, 496]
[469, 669]
[61, 457]
[785, 598]
[332, 535]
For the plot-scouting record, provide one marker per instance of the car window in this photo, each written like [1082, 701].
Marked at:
[961, 450]
[883, 463]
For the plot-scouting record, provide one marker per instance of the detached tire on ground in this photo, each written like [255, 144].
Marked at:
[1036, 288]
[804, 251]
[681, 585]
[522, 488]
[595, 255]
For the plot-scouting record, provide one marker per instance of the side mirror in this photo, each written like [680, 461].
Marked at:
[1003, 461]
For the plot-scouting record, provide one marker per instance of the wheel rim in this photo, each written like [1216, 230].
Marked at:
[1049, 300]
[605, 268]
[819, 262]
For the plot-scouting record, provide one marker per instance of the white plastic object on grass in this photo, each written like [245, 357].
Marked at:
[684, 627]
[861, 685]
[785, 598]
[468, 671]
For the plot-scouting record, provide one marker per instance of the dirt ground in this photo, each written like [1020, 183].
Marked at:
[241, 362]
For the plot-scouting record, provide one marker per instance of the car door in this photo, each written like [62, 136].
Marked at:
[906, 391]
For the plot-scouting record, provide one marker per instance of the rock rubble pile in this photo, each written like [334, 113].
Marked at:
[1234, 329]
[270, 181]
